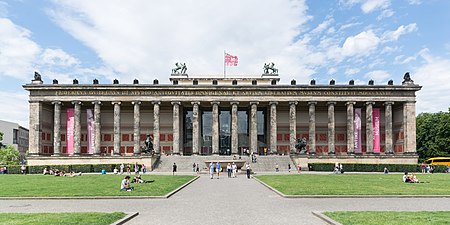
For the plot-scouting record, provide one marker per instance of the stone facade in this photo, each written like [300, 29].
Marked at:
[222, 116]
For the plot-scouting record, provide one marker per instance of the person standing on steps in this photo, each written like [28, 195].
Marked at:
[174, 168]
[193, 167]
[289, 167]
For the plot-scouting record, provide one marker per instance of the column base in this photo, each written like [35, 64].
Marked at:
[389, 153]
[76, 154]
[137, 154]
[176, 153]
[56, 155]
[96, 154]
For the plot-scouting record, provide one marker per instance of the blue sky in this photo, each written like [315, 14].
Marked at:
[322, 40]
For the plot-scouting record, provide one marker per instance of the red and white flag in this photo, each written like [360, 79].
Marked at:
[231, 60]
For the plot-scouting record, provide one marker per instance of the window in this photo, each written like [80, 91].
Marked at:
[214, 82]
[254, 82]
[15, 135]
[195, 82]
[234, 82]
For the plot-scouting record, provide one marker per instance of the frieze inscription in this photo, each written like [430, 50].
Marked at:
[220, 93]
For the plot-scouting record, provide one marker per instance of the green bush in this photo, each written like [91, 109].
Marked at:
[353, 167]
[84, 168]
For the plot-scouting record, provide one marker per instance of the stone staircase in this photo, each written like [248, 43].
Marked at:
[267, 163]
[184, 163]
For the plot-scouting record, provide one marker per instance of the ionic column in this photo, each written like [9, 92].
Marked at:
[195, 128]
[350, 128]
[176, 128]
[369, 127]
[215, 127]
[137, 127]
[388, 147]
[273, 127]
[312, 127]
[253, 127]
[97, 128]
[156, 138]
[292, 126]
[35, 128]
[77, 128]
[234, 127]
[409, 127]
[117, 140]
[57, 128]
[331, 128]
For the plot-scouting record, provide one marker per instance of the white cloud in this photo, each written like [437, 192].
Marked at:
[3, 9]
[17, 51]
[16, 109]
[377, 75]
[351, 71]
[394, 35]
[146, 39]
[372, 5]
[57, 57]
[414, 2]
[385, 14]
[323, 26]
[360, 44]
[433, 76]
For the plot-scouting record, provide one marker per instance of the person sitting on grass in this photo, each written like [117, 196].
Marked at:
[45, 172]
[125, 185]
[73, 174]
[406, 178]
[138, 179]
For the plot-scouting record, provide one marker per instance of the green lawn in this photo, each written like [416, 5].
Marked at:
[391, 218]
[59, 218]
[357, 184]
[85, 185]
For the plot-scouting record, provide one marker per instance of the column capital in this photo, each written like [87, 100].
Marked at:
[273, 103]
[388, 103]
[156, 102]
[136, 102]
[350, 103]
[293, 102]
[176, 103]
[215, 103]
[254, 103]
[57, 103]
[195, 103]
[97, 102]
[331, 103]
[76, 102]
[116, 103]
[312, 103]
[234, 103]
[370, 103]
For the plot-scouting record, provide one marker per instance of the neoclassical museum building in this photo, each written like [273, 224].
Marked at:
[207, 115]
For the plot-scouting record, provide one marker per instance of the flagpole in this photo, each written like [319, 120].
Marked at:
[224, 66]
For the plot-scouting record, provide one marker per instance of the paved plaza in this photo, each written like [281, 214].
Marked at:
[227, 201]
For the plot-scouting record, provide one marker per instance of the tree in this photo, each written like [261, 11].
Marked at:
[433, 134]
[9, 155]
[1, 139]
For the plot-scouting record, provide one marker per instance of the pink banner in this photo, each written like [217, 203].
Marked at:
[70, 121]
[357, 130]
[90, 131]
[376, 130]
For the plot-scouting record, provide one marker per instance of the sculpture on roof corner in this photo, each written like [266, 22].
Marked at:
[271, 67]
[180, 68]
[407, 79]
[37, 76]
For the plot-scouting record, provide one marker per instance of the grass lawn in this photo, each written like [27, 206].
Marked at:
[85, 185]
[392, 218]
[60, 218]
[357, 184]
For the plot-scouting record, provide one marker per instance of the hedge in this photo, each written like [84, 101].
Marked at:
[84, 168]
[353, 167]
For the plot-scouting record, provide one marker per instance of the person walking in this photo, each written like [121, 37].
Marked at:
[197, 169]
[299, 168]
[121, 168]
[211, 170]
[276, 167]
[218, 169]
[289, 167]
[234, 169]
[247, 166]
[174, 168]
[229, 170]
[193, 167]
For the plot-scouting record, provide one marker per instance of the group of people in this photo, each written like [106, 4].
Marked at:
[3, 170]
[137, 170]
[195, 168]
[232, 170]
[338, 168]
[60, 173]
[125, 185]
[426, 168]
[410, 178]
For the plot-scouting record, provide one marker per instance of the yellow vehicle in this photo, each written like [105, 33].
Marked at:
[438, 161]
